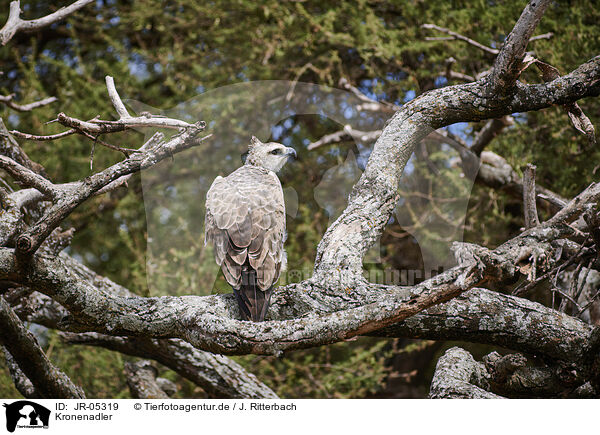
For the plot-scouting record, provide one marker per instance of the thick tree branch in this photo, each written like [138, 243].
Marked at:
[195, 320]
[218, 375]
[374, 197]
[496, 173]
[48, 380]
[526, 326]
[22, 382]
[142, 382]
[458, 376]
[27, 177]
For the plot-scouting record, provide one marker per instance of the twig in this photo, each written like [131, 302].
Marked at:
[345, 134]
[460, 37]
[542, 36]
[8, 100]
[42, 138]
[369, 103]
[15, 24]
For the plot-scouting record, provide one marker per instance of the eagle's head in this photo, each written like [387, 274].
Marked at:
[271, 155]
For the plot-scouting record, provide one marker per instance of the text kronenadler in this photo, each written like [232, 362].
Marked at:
[92, 417]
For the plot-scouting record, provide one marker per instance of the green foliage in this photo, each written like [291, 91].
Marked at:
[165, 54]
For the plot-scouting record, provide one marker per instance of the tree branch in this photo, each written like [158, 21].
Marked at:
[8, 101]
[22, 382]
[374, 197]
[458, 376]
[141, 379]
[218, 375]
[205, 323]
[529, 197]
[15, 24]
[507, 66]
[72, 195]
[48, 380]
[458, 36]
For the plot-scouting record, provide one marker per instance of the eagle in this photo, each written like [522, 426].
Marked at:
[245, 223]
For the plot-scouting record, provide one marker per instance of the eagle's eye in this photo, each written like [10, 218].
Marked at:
[276, 152]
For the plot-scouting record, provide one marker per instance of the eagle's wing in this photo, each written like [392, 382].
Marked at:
[245, 221]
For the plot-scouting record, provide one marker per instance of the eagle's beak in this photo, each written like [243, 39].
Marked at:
[290, 152]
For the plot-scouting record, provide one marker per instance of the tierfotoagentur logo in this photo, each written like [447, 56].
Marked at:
[25, 414]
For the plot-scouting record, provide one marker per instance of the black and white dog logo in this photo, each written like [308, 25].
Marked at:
[26, 414]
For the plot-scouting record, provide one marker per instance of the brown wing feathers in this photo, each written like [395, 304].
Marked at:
[245, 222]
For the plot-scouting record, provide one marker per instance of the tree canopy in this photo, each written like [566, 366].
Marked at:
[176, 56]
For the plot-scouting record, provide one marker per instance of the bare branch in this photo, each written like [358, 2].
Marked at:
[116, 100]
[42, 138]
[27, 177]
[347, 133]
[8, 100]
[529, 197]
[10, 148]
[490, 130]
[507, 65]
[218, 375]
[48, 380]
[496, 173]
[369, 103]
[22, 383]
[141, 379]
[73, 194]
[374, 197]
[15, 24]
[194, 319]
[453, 75]
[548, 35]
[460, 37]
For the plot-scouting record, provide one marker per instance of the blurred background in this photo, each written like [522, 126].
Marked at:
[292, 72]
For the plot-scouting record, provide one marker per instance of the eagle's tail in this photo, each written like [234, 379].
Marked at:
[253, 301]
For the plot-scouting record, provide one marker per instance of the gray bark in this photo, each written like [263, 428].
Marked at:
[142, 381]
[47, 379]
[458, 376]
